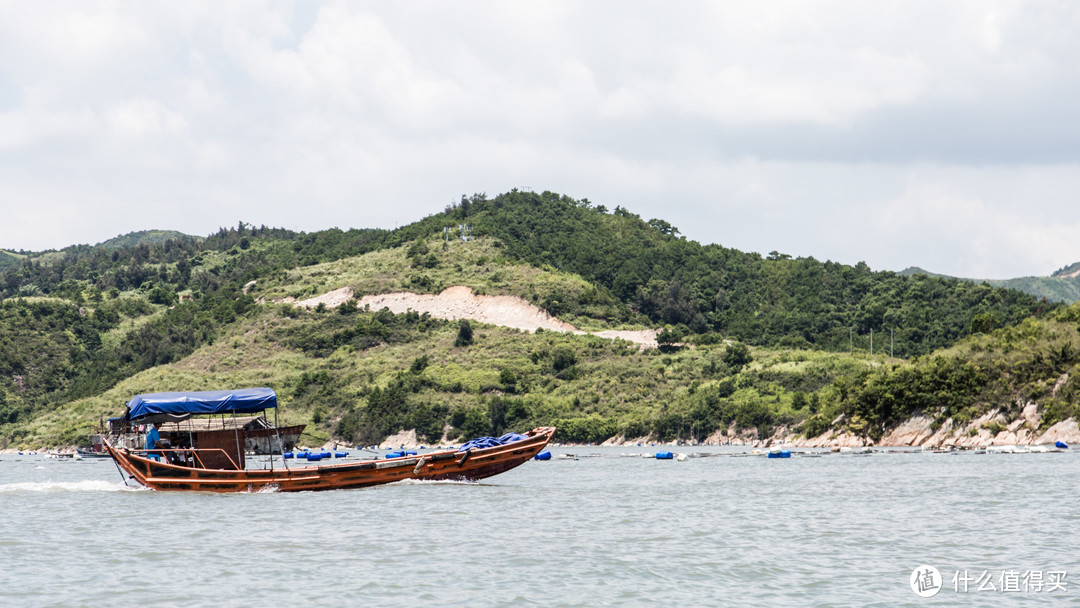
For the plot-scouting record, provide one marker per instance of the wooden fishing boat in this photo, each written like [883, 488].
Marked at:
[215, 461]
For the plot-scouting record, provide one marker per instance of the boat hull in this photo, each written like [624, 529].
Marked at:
[448, 465]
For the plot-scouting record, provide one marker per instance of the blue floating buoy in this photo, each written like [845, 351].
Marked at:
[1061, 444]
[664, 456]
[302, 454]
[545, 455]
[314, 457]
[288, 454]
[340, 454]
[780, 454]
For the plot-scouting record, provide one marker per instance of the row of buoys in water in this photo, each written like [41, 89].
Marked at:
[670, 456]
[774, 453]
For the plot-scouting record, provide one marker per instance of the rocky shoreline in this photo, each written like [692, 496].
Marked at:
[916, 432]
[991, 429]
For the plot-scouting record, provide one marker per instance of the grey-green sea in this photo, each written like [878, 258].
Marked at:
[601, 528]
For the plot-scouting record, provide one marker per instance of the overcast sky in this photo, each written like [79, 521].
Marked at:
[939, 134]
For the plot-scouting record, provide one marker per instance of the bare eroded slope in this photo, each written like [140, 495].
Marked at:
[460, 302]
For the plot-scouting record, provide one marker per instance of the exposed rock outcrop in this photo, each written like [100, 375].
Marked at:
[993, 428]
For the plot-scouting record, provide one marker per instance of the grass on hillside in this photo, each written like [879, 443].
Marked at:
[1056, 289]
[431, 266]
[129, 323]
[331, 374]
[360, 376]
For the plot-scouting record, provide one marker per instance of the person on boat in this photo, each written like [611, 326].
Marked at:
[153, 437]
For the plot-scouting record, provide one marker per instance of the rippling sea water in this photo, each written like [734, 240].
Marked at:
[834, 530]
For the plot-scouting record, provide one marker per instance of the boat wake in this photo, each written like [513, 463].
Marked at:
[436, 482]
[89, 485]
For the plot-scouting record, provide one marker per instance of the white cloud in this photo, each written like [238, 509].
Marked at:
[1002, 235]
[816, 128]
[71, 35]
[33, 126]
[144, 117]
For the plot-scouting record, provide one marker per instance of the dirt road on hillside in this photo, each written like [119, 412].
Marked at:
[460, 302]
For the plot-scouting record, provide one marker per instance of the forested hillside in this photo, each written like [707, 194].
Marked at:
[1037, 361]
[74, 322]
[360, 376]
[703, 289]
[78, 322]
[8, 258]
[145, 237]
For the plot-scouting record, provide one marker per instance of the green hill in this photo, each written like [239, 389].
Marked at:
[131, 240]
[9, 258]
[360, 376]
[89, 326]
[1062, 286]
[710, 289]
[144, 237]
[364, 375]
[913, 271]
[1071, 270]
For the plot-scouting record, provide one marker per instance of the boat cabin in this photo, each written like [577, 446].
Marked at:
[203, 428]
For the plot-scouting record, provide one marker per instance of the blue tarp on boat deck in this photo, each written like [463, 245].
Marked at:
[239, 401]
[490, 442]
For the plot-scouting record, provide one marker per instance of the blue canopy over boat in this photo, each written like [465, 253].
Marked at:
[238, 401]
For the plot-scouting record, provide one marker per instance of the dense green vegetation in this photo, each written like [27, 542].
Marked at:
[1035, 361]
[226, 259]
[8, 258]
[633, 265]
[53, 351]
[74, 322]
[360, 376]
[83, 328]
[145, 237]
[773, 301]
